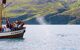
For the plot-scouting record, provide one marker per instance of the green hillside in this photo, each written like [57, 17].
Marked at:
[74, 9]
[25, 7]
[42, 9]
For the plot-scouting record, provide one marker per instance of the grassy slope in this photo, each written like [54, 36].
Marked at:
[74, 9]
[46, 8]
[15, 7]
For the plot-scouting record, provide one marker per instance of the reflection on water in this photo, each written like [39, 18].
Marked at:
[12, 39]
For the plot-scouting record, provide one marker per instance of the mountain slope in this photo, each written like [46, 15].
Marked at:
[18, 8]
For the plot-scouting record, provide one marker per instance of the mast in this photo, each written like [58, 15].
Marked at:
[1, 8]
[1, 11]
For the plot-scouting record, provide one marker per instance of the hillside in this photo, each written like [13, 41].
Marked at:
[42, 8]
[21, 7]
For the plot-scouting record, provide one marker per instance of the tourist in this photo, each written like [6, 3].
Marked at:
[15, 26]
[8, 24]
[5, 29]
[19, 24]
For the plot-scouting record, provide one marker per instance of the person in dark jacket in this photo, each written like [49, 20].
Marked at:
[8, 24]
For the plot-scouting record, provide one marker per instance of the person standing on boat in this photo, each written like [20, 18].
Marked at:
[8, 24]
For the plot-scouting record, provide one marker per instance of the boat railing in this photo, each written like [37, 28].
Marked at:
[15, 30]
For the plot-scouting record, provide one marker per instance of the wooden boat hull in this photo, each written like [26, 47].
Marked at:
[13, 34]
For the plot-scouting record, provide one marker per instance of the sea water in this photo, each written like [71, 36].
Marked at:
[45, 37]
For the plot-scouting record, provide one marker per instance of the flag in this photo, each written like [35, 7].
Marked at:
[3, 1]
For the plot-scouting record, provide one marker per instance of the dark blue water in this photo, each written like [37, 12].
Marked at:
[59, 19]
[23, 17]
[50, 19]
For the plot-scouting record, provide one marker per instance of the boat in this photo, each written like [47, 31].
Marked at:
[9, 34]
[13, 34]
